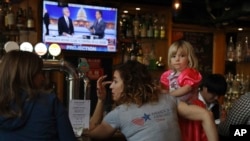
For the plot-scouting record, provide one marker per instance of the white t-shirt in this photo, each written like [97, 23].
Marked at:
[150, 122]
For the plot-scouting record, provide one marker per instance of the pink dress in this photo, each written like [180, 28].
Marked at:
[189, 76]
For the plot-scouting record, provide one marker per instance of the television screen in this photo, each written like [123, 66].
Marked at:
[80, 27]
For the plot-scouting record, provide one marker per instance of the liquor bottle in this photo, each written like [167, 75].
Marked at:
[236, 84]
[30, 20]
[125, 51]
[146, 57]
[150, 27]
[133, 50]
[152, 60]
[238, 52]
[20, 19]
[2, 14]
[143, 27]
[129, 27]
[247, 50]
[156, 27]
[162, 27]
[230, 50]
[139, 56]
[136, 25]
[10, 18]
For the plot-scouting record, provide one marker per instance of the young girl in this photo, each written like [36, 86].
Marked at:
[182, 79]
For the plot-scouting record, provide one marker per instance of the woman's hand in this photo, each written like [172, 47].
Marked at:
[100, 87]
[97, 116]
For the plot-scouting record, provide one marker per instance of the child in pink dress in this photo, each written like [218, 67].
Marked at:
[182, 80]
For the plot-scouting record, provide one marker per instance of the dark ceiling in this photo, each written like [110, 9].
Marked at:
[215, 13]
[218, 13]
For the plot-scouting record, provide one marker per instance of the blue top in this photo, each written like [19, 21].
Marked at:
[43, 119]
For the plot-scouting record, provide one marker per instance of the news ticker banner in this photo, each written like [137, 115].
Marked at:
[75, 40]
[76, 43]
[240, 132]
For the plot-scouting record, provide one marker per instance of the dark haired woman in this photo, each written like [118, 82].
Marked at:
[27, 113]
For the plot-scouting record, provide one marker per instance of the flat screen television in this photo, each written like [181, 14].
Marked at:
[80, 37]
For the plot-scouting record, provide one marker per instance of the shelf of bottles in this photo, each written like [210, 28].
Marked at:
[143, 26]
[13, 19]
[237, 86]
[239, 52]
[138, 33]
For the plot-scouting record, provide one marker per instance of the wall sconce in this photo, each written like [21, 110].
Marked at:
[176, 5]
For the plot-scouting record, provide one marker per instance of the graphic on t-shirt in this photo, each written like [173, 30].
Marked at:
[141, 120]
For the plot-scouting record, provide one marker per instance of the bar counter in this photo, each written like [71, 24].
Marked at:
[115, 137]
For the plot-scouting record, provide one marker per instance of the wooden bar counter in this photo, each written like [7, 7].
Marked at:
[115, 137]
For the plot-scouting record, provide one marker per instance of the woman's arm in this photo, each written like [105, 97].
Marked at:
[97, 128]
[194, 112]
[97, 116]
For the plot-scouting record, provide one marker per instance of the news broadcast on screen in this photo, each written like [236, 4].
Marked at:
[80, 27]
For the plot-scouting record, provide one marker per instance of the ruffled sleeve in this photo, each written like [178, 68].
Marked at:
[190, 77]
[164, 79]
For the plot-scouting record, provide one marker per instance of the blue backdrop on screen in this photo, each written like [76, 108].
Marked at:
[83, 17]
[56, 12]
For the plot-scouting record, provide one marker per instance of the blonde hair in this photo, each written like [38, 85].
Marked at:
[187, 48]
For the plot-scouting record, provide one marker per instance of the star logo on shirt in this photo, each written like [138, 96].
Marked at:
[146, 117]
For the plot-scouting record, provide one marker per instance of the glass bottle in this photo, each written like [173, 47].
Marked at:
[247, 50]
[230, 50]
[133, 51]
[123, 25]
[139, 56]
[125, 51]
[150, 27]
[236, 84]
[2, 14]
[136, 25]
[10, 18]
[156, 27]
[152, 59]
[143, 27]
[146, 57]
[129, 27]
[162, 27]
[238, 52]
[6, 17]
[247, 83]
[30, 19]
[20, 19]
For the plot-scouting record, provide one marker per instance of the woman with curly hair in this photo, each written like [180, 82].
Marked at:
[143, 113]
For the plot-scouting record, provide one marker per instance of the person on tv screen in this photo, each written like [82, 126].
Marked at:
[65, 25]
[99, 25]
[46, 21]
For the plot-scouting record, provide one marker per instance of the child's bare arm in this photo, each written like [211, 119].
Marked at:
[181, 91]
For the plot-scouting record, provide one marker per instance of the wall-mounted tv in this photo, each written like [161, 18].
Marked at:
[81, 31]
